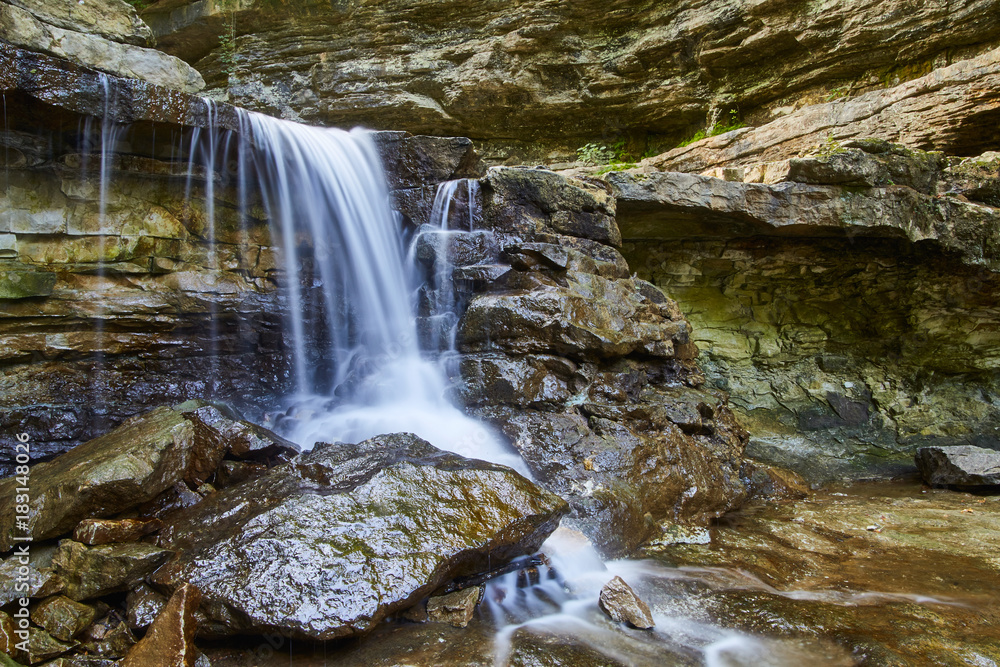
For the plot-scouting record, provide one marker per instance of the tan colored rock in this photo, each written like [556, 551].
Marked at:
[949, 109]
[21, 28]
[456, 608]
[104, 531]
[170, 639]
[540, 80]
[621, 604]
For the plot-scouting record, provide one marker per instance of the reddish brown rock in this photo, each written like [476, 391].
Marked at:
[170, 640]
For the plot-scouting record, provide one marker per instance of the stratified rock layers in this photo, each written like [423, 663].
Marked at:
[848, 302]
[530, 76]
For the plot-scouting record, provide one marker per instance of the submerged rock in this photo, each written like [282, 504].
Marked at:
[170, 640]
[961, 465]
[328, 545]
[621, 604]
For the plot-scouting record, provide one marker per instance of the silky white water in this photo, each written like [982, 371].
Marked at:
[359, 370]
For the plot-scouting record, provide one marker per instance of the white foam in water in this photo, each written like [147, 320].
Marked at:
[327, 187]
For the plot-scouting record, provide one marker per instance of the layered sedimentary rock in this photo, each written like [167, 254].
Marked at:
[105, 34]
[143, 291]
[541, 78]
[954, 109]
[847, 300]
[589, 372]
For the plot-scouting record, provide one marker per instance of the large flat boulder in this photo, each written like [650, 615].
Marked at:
[960, 465]
[328, 545]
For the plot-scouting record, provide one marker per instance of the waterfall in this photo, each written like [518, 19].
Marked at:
[350, 287]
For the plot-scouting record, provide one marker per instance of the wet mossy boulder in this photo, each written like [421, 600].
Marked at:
[134, 464]
[328, 545]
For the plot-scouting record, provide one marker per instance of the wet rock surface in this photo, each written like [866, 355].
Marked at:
[327, 546]
[170, 639]
[861, 566]
[131, 465]
[962, 466]
[621, 604]
[588, 371]
[62, 617]
[90, 572]
[456, 608]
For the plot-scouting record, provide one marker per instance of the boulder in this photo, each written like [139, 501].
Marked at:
[143, 605]
[456, 608]
[90, 572]
[130, 465]
[42, 646]
[62, 617]
[960, 465]
[621, 604]
[170, 639]
[328, 545]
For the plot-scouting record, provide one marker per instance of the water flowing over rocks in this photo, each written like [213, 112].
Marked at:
[143, 308]
[329, 545]
[621, 604]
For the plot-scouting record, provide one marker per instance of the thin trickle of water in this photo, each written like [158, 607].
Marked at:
[111, 133]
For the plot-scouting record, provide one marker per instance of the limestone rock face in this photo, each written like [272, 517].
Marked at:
[961, 465]
[330, 544]
[104, 34]
[953, 109]
[170, 316]
[588, 371]
[541, 78]
[823, 288]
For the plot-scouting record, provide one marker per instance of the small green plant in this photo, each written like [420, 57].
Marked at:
[140, 4]
[734, 124]
[228, 53]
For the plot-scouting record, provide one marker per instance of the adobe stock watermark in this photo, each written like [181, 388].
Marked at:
[21, 532]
